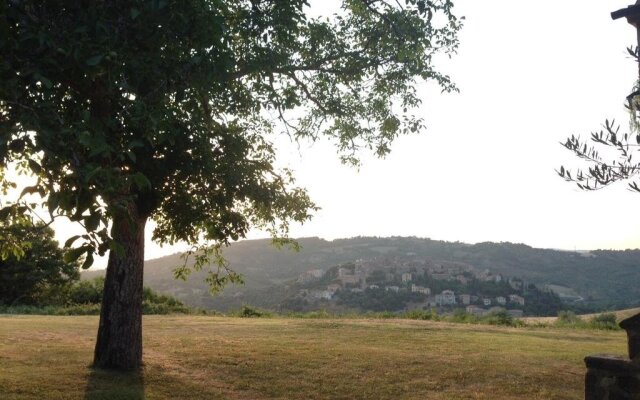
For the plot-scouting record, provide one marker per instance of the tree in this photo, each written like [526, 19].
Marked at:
[611, 156]
[40, 275]
[127, 110]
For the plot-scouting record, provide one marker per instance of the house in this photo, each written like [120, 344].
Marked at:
[425, 305]
[462, 279]
[344, 272]
[498, 278]
[392, 289]
[321, 294]
[436, 268]
[516, 284]
[486, 301]
[305, 278]
[350, 279]
[334, 287]
[356, 290]
[496, 310]
[501, 300]
[316, 273]
[431, 302]
[407, 277]
[475, 310]
[419, 289]
[514, 298]
[441, 276]
[515, 313]
[465, 299]
[310, 276]
[446, 298]
[325, 294]
[374, 287]
[485, 275]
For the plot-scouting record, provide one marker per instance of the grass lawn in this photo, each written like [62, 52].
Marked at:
[189, 357]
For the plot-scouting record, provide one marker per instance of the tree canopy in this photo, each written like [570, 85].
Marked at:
[127, 110]
[40, 275]
[168, 104]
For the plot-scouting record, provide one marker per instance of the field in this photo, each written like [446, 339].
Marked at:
[620, 315]
[189, 357]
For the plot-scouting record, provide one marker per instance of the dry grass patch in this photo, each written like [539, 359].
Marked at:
[189, 357]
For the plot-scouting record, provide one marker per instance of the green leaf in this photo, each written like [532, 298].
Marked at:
[35, 167]
[181, 273]
[141, 181]
[70, 241]
[29, 190]
[53, 202]
[95, 60]
[136, 143]
[92, 222]
[5, 212]
[73, 254]
[93, 173]
[88, 261]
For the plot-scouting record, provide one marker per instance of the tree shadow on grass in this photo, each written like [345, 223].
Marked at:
[114, 385]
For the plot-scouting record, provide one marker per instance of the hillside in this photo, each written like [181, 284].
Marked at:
[233, 358]
[604, 279]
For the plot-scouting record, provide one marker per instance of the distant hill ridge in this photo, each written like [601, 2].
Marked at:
[606, 279]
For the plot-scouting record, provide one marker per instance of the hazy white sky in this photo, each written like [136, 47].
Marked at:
[530, 73]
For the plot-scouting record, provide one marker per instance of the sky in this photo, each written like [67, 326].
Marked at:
[530, 74]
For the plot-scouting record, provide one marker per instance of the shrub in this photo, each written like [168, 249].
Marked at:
[606, 321]
[385, 315]
[501, 318]
[84, 298]
[79, 309]
[568, 318]
[424, 315]
[86, 292]
[250, 312]
[76, 309]
[463, 317]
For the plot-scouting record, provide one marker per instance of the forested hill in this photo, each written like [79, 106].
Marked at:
[605, 279]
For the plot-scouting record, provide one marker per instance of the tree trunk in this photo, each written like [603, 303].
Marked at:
[119, 344]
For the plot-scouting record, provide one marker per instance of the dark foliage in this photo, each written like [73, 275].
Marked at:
[40, 275]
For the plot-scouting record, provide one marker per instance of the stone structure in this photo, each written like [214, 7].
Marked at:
[632, 14]
[618, 377]
[632, 326]
[611, 377]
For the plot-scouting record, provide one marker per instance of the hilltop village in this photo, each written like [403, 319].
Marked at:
[384, 284]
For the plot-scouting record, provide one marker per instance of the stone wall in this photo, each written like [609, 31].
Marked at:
[612, 377]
